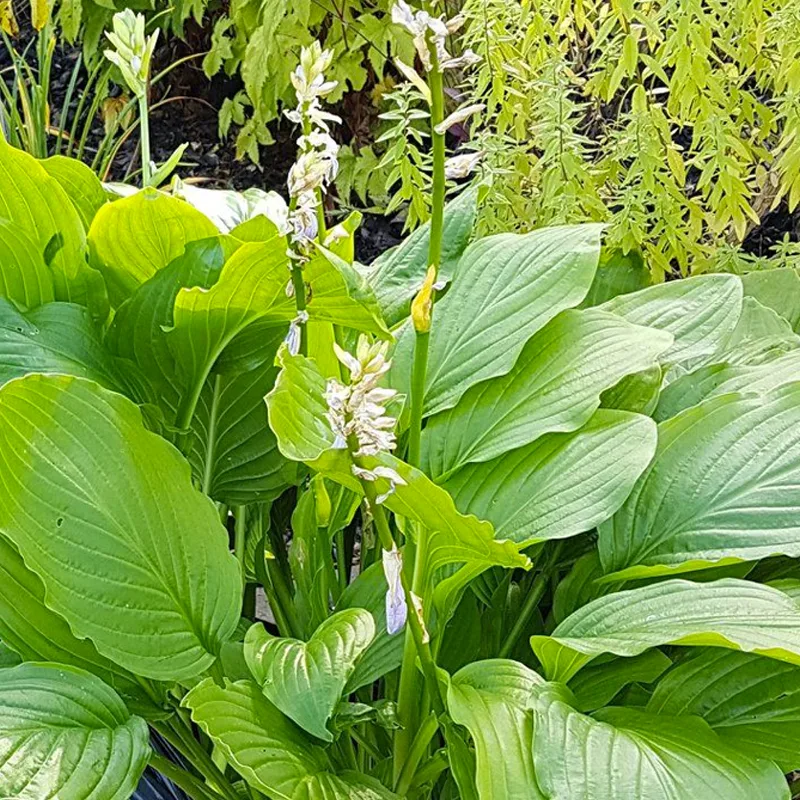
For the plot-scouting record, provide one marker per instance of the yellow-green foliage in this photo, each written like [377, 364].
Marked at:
[677, 121]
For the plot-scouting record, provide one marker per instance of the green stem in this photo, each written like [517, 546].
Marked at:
[144, 128]
[182, 779]
[299, 286]
[342, 560]
[418, 749]
[208, 466]
[240, 532]
[531, 602]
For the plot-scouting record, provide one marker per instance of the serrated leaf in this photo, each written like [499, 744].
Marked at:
[81, 474]
[744, 505]
[509, 287]
[268, 750]
[626, 753]
[490, 698]
[555, 386]
[397, 274]
[132, 238]
[730, 613]
[751, 702]
[66, 734]
[306, 680]
[699, 312]
[562, 484]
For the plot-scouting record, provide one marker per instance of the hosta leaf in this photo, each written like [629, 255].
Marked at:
[752, 702]
[37, 633]
[235, 454]
[36, 203]
[509, 286]
[554, 386]
[268, 750]
[490, 698]
[306, 680]
[453, 537]
[719, 379]
[563, 483]
[723, 486]
[726, 613]
[250, 288]
[622, 753]
[160, 592]
[82, 186]
[24, 277]
[639, 392]
[397, 274]
[385, 654]
[699, 312]
[65, 734]
[55, 338]
[341, 295]
[598, 684]
[759, 336]
[618, 273]
[778, 289]
[132, 238]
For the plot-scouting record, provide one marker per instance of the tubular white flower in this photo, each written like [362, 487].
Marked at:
[396, 608]
[459, 115]
[359, 409]
[462, 165]
[133, 51]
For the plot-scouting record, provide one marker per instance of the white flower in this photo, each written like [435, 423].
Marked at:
[419, 24]
[295, 332]
[462, 165]
[458, 116]
[303, 220]
[467, 59]
[396, 608]
[307, 173]
[372, 475]
[359, 410]
[133, 51]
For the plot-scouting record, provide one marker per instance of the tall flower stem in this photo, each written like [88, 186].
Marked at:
[144, 135]
[408, 699]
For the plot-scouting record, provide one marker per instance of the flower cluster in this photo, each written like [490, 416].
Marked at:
[317, 162]
[133, 51]
[357, 411]
[426, 28]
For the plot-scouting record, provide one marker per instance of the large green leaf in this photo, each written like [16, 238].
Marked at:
[132, 238]
[778, 289]
[719, 379]
[24, 277]
[235, 453]
[617, 273]
[622, 753]
[554, 386]
[35, 202]
[82, 186]
[752, 702]
[759, 336]
[509, 286]
[699, 312]
[491, 698]
[306, 680]
[38, 633]
[65, 734]
[726, 613]
[270, 752]
[397, 274]
[131, 555]
[251, 287]
[724, 485]
[563, 483]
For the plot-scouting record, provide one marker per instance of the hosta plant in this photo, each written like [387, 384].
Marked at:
[520, 534]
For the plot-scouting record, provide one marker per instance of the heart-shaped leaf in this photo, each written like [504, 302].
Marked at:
[305, 680]
[268, 750]
[65, 734]
[92, 501]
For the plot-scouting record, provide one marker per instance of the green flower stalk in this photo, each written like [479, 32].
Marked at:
[133, 54]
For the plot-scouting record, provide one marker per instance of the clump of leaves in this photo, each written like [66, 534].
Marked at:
[572, 503]
[675, 123]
